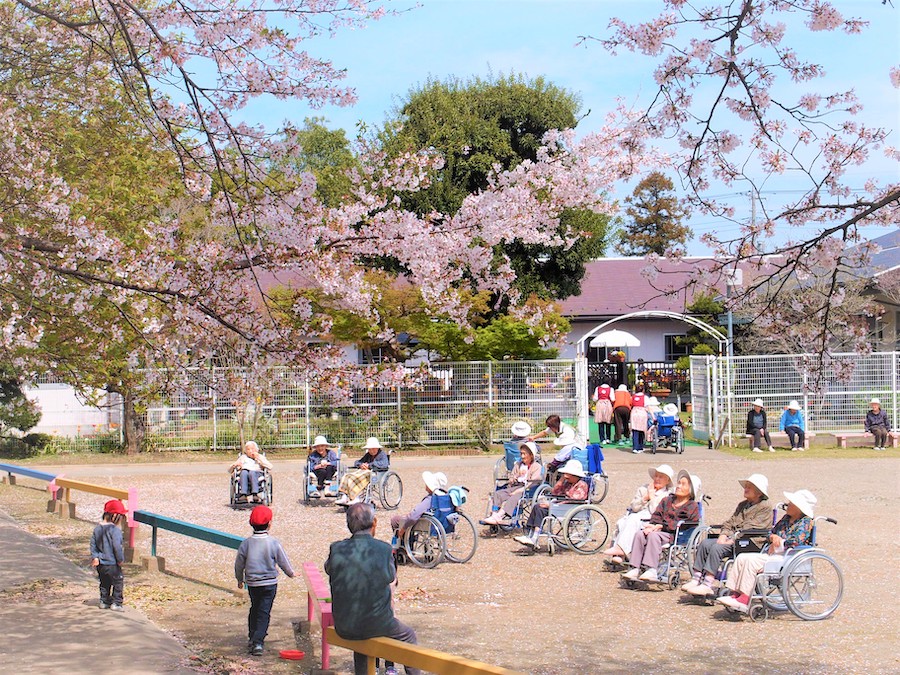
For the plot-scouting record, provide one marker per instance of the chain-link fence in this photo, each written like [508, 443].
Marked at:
[835, 395]
[443, 403]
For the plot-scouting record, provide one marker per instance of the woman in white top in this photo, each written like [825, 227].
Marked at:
[645, 501]
[525, 473]
[251, 463]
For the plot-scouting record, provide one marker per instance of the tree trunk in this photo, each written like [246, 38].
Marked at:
[132, 425]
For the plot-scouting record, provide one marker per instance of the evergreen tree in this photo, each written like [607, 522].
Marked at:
[655, 214]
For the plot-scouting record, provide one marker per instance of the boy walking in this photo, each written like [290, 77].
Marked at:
[107, 556]
[256, 565]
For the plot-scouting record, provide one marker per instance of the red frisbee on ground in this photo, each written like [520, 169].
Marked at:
[291, 654]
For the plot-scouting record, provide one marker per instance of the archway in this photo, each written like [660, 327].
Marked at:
[582, 395]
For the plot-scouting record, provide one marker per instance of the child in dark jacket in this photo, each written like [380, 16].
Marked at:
[255, 565]
[108, 554]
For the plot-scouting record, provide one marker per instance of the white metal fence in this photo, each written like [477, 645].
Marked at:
[835, 397]
[450, 403]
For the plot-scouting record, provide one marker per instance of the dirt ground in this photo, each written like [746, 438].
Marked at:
[533, 613]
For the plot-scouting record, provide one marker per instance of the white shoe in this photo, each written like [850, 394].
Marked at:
[702, 591]
[116, 608]
[341, 500]
[315, 494]
[633, 573]
[525, 540]
[730, 601]
[689, 585]
[649, 575]
[618, 560]
[771, 449]
[756, 450]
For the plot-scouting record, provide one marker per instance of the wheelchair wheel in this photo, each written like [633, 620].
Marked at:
[269, 492]
[462, 542]
[390, 490]
[655, 446]
[585, 529]
[679, 443]
[306, 488]
[812, 585]
[599, 487]
[232, 491]
[758, 611]
[425, 543]
[553, 528]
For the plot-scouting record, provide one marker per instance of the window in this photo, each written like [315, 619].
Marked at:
[675, 350]
[371, 356]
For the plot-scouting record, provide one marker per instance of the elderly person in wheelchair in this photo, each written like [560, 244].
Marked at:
[794, 529]
[354, 483]
[435, 483]
[321, 463]
[252, 465]
[753, 513]
[571, 487]
[680, 506]
[525, 473]
[641, 508]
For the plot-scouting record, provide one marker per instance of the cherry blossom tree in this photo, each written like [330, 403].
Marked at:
[745, 108]
[182, 292]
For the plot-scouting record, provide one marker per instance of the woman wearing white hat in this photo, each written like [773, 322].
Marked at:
[877, 424]
[794, 529]
[645, 501]
[571, 486]
[756, 426]
[648, 543]
[520, 431]
[793, 423]
[323, 463]
[525, 473]
[753, 513]
[355, 482]
[435, 483]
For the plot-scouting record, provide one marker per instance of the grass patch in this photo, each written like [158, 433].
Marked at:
[825, 452]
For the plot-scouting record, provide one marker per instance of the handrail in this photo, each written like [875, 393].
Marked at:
[70, 484]
[157, 521]
[430, 660]
[29, 473]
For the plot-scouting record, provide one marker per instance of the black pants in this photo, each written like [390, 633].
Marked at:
[399, 631]
[261, 600]
[621, 417]
[112, 583]
[796, 436]
[323, 474]
[758, 435]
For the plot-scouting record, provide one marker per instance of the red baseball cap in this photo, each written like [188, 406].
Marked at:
[114, 506]
[261, 515]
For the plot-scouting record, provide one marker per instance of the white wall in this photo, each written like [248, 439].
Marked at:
[63, 413]
[651, 333]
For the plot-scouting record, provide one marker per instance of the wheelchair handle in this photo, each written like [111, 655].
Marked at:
[831, 520]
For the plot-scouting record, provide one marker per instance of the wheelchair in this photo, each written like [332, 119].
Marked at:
[501, 479]
[591, 458]
[444, 532]
[310, 481]
[667, 434]
[677, 557]
[578, 526]
[266, 491]
[385, 486]
[808, 582]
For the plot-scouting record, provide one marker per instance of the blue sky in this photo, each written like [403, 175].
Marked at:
[465, 38]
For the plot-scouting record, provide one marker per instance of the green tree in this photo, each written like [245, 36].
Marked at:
[655, 215]
[478, 125]
[708, 309]
[16, 411]
[327, 154]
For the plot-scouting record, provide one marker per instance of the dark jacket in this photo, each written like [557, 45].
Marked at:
[879, 419]
[379, 462]
[750, 414]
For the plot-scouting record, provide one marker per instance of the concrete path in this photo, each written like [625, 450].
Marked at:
[51, 623]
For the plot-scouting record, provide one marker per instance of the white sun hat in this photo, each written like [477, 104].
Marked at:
[758, 481]
[670, 409]
[793, 405]
[693, 480]
[372, 442]
[759, 402]
[803, 500]
[875, 401]
[320, 440]
[434, 481]
[573, 467]
[521, 429]
[664, 469]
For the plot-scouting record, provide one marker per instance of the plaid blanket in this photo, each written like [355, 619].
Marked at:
[354, 482]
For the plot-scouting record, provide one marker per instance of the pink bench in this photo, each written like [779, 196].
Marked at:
[318, 603]
[844, 435]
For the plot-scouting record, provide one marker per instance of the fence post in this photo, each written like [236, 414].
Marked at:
[399, 417]
[306, 405]
[215, 418]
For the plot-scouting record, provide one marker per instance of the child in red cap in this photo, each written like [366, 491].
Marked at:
[256, 565]
[108, 554]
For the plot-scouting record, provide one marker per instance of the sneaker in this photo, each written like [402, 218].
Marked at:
[636, 451]
[525, 540]
[701, 590]
[257, 650]
[771, 449]
[390, 671]
[731, 602]
[689, 585]
[341, 499]
[116, 608]
[618, 560]
[103, 605]
[633, 573]
[649, 575]
[757, 450]
[315, 494]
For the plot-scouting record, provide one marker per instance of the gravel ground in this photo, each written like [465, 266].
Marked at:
[534, 613]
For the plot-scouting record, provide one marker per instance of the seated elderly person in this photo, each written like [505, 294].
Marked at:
[355, 482]
[251, 462]
[648, 543]
[435, 483]
[323, 463]
[794, 529]
[753, 513]
[645, 501]
[571, 487]
[567, 441]
[525, 473]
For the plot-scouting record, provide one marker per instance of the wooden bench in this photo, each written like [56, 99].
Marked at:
[843, 436]
[318, 604]
[782, 436]
[415, 656]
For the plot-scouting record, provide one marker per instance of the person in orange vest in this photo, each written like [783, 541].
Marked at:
[621, 413]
